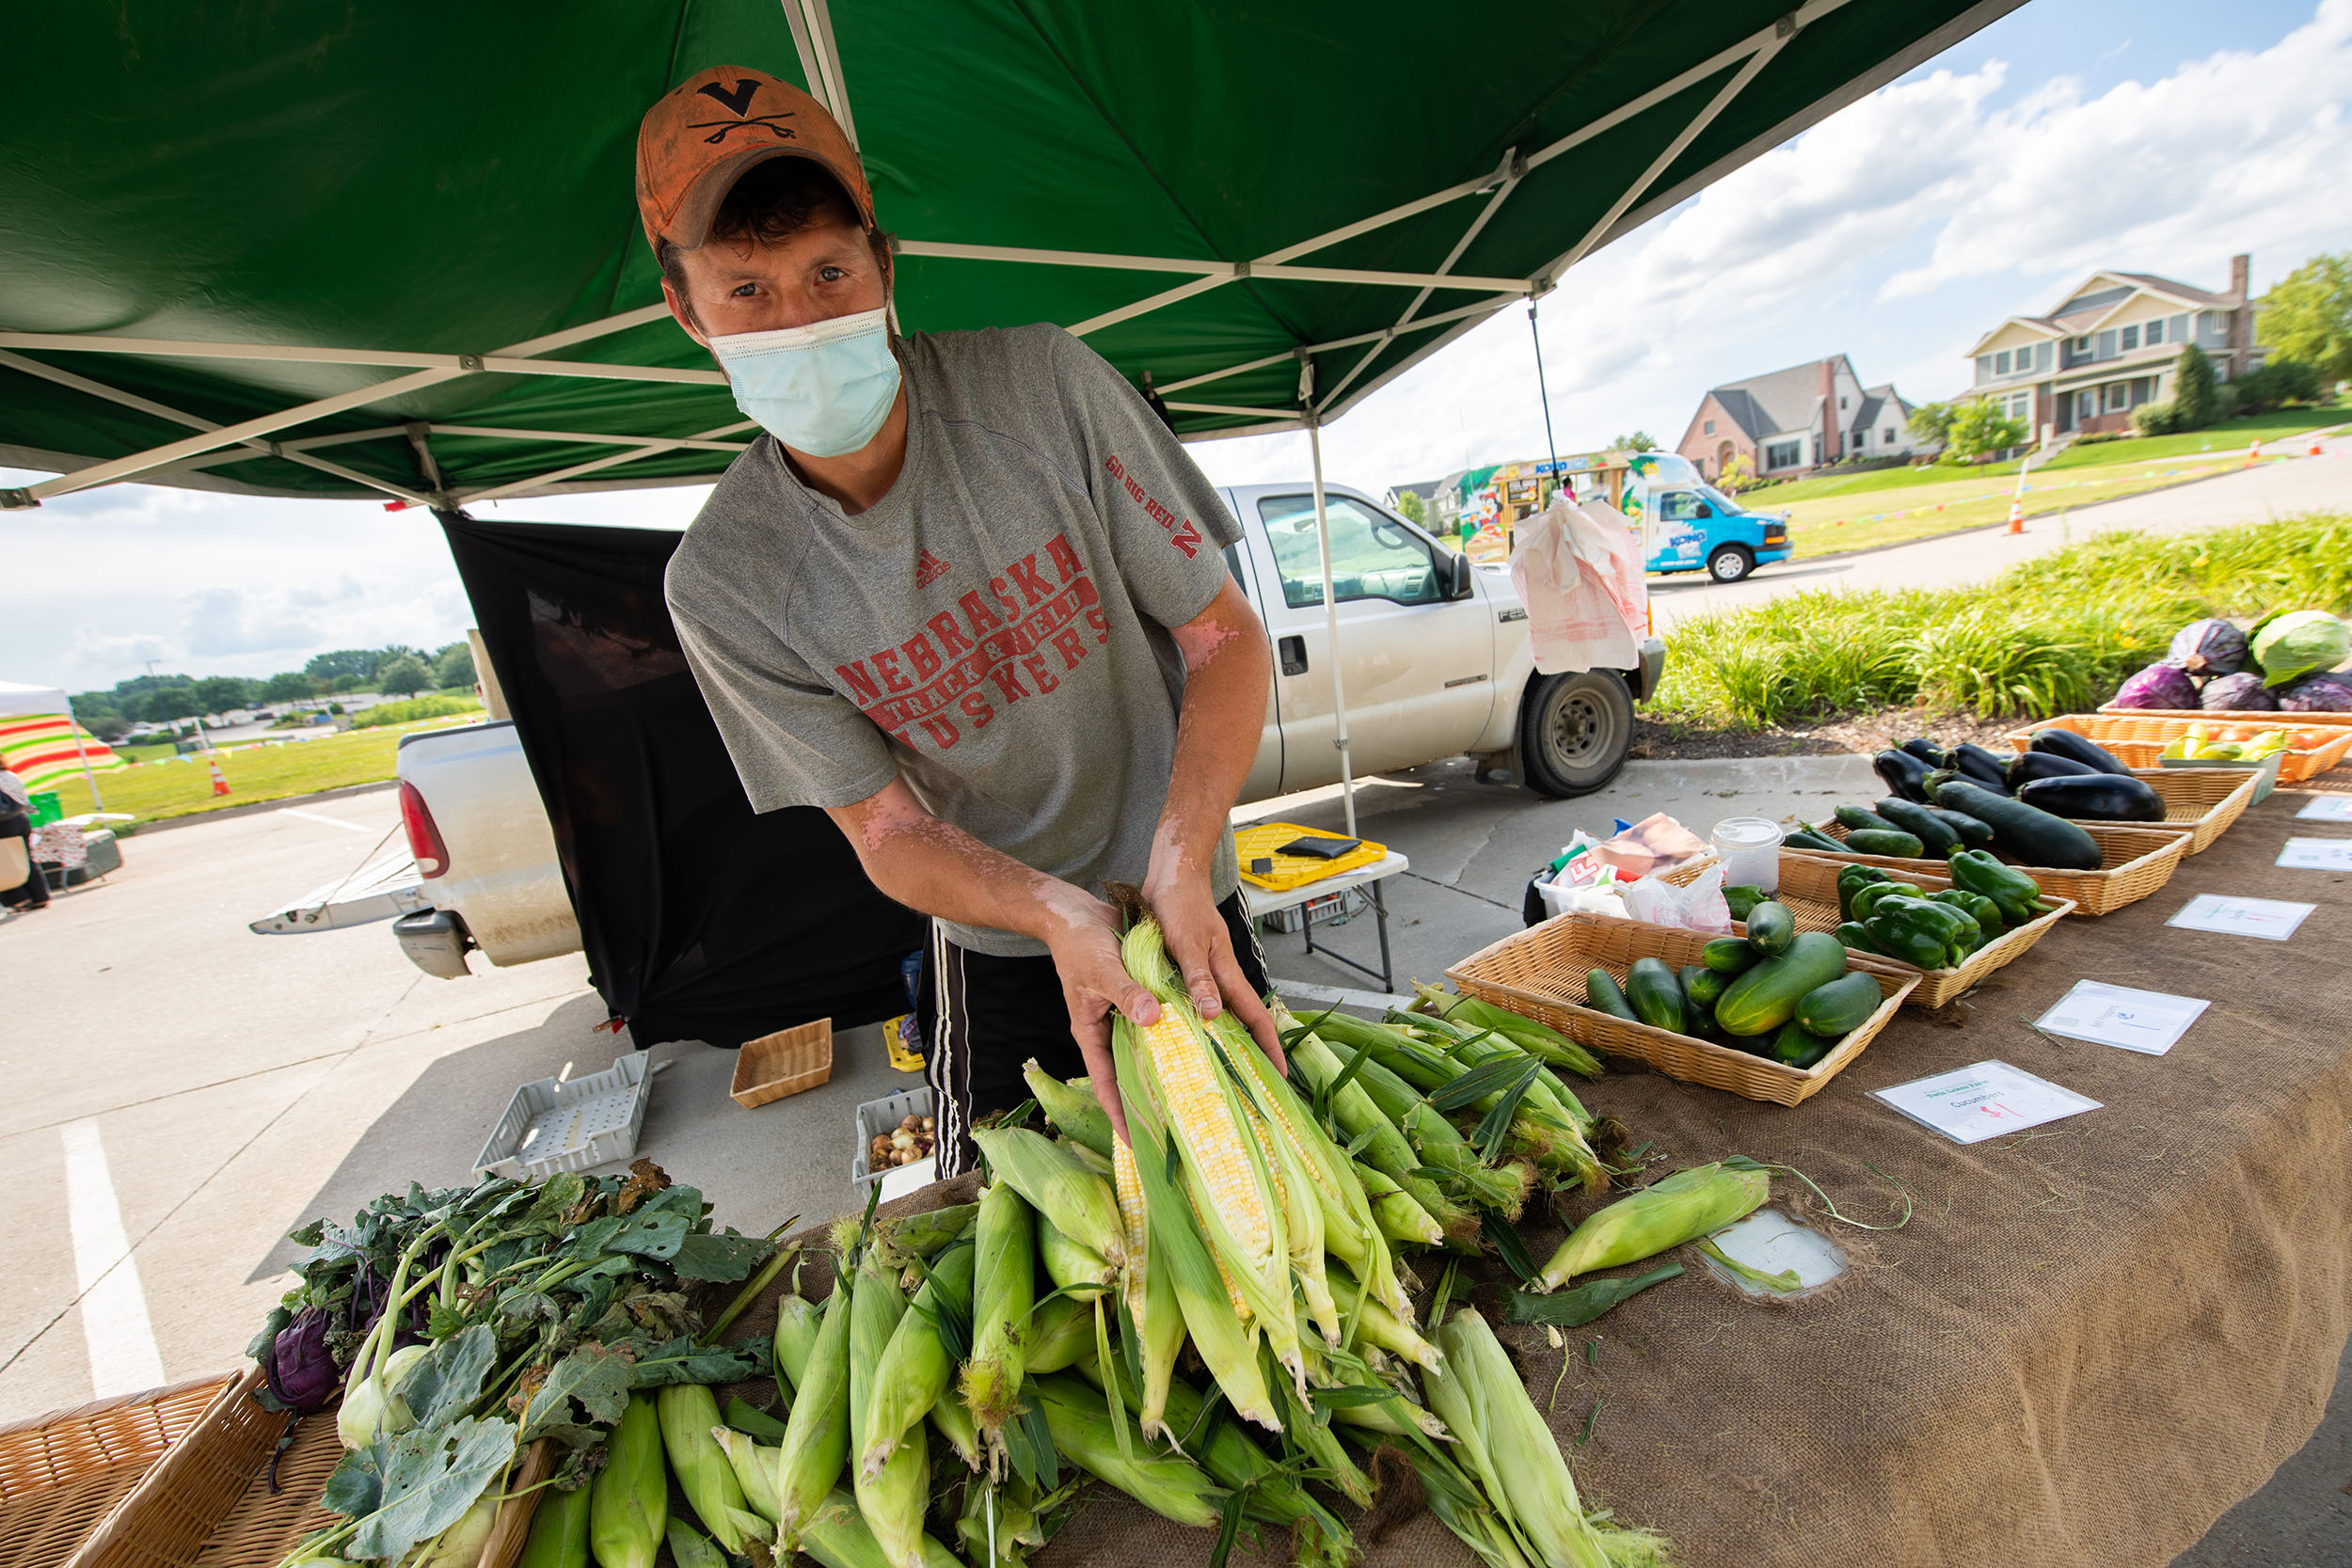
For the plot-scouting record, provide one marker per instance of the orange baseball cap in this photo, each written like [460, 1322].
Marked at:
[697, 140]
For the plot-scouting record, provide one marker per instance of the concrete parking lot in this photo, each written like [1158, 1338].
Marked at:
[183, 1092]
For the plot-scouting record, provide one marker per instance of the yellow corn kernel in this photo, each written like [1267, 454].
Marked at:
[1196, 1106]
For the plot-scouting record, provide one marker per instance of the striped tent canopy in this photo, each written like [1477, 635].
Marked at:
[37, 738]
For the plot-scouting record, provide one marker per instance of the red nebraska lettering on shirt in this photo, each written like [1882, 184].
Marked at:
[1181, 532]
[1015, 641]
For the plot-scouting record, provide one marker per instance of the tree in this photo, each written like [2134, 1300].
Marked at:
[219, 694]
[2307, 317]
[453, 666]
[342, 662]
[1930, 424]
[1641, 440]
[1409, 504]
[2194, 399]
[1983, 425]
[168, 704]
[1738, 474]
[403, 676]
[290, 685]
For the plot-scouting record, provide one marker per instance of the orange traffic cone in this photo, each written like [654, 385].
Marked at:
[2254, 452]
[2017, 514]
[220, 784]
[2314, 451]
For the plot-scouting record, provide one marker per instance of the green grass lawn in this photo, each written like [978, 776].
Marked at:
[154, 790]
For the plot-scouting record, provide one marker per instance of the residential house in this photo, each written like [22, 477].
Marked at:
[1791, 421]
[2112, 344]
[1426, 490]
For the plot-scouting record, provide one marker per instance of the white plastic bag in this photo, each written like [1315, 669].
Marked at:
[1699, 907]
[1578, 569]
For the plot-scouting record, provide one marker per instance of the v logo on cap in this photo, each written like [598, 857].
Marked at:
[738, 100]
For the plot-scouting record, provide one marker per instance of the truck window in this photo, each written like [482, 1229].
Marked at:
[1372, 557]
[1678, 506]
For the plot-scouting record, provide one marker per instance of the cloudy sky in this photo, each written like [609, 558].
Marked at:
[2163, 137]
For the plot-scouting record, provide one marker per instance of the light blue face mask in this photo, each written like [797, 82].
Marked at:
[824, 388]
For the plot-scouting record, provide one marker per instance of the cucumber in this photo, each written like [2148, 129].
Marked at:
[1935, 835]
[2025, 833]
[1702, 987]
[1858, 819]
[1603, 994]
[1887, 841]
[1809, 837]
[1796, 1047]
[1972, 833]
[1840, 1007]
[1655, 994]
[1766, 997]
[1771, 926]
[1728, 955]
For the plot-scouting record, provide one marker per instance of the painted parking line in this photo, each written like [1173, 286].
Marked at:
[330, 821]
[121, 1341]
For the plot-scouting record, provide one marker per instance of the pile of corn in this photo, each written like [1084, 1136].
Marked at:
[1212, 1318]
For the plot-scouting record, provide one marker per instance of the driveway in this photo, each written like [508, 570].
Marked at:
[2273, 489]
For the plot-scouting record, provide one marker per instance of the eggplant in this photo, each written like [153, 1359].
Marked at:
[1926, 750]
[1979, 766]
[2066, 743]
[2043, 765]
[2095, 797]
[1903, 774]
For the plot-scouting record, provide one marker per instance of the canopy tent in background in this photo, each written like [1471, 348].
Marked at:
[40, 742]
[699, 920]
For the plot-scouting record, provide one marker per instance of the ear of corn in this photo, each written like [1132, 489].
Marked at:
[754, 1467]
[1442, 1147]
[1154, 1320]
[559, 1530]
[838, 1538]
[1064, 1331]
[798, 1321]
[891, 1493]
[691, 1549]
[1071, 1265]
[1538, 1039]
[1071, 1107]
[817, 1435]
[953, 1421]
[628, 1502]
[1687, 1205]
[1057, 1186]
[1003, 1291]
[1382, 1327]
[1080, 1423]
[1315, 1437]
[1369, 1122]
[687, 1413]
[1394, 1212]
[914, 1367]
[1483, 1401]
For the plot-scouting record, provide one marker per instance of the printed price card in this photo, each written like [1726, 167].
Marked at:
[1983, 1102]
[2273, 918]
[2327, 808]
[2147, 1022]
[2317, 854]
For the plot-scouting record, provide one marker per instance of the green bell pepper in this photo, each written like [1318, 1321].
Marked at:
[1853, 880]
[2017, 896]
[1866, 899]
[1743, 896]
[1922, 934]
[1983, 911]
[1857, 936]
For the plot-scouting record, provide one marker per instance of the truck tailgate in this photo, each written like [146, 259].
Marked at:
[378, 891]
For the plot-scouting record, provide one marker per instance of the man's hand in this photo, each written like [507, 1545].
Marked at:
[1202, 948]
[1094, 981]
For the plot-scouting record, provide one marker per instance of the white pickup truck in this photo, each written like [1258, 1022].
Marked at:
[1435, 665]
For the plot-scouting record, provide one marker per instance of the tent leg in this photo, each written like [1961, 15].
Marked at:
[96, 804]
[1331, 627]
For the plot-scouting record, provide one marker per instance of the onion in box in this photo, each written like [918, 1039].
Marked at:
[2241, 691]
[2161, 686]
[2210, 647]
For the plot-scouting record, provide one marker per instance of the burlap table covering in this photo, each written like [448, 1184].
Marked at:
[2089, 1340]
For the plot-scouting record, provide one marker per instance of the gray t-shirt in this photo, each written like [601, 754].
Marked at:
[994, 630]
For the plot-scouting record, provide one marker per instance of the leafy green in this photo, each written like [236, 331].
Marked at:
[598, 1378]
[1572, 1309]
[428, 1479]
[450, 1377]
[723, 1259]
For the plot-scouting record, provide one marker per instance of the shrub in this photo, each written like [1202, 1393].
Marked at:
[2148, 419]
[2193, 389]
[416, 707]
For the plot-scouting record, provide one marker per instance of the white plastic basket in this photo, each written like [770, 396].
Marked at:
[551, 1126]
[882, 1117]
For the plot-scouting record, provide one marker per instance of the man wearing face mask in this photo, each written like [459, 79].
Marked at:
[967, 594]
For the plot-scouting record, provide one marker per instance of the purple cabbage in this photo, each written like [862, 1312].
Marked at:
[2243, 691]
[2208, 648]
[300, 1367]
[2330, 692]
[2163, 686]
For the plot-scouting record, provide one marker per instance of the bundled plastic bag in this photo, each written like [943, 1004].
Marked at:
[1578, 569]
[1699, 907]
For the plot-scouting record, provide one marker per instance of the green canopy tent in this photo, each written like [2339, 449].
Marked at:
[391, 250]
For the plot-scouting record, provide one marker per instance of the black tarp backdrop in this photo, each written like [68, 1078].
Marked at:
[701, 920]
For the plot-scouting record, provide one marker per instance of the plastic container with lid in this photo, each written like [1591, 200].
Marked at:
[1749, 847]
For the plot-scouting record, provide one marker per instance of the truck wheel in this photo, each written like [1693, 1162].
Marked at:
[1730, 563]
[1574, 732]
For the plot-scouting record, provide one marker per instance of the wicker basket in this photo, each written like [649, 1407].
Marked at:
[61, 1473]
[2134, 860]
[2137, 738]
[786, 1062]
[208, 1503]
[1540, 973]
[2199, 801]
[1808, 886]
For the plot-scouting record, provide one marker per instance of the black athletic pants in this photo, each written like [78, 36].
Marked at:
[34, 894]
[982, 1017]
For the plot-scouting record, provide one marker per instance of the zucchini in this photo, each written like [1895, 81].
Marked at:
[1857, 819]
[1701, 989]
[1766, 997]
[1771, 926]
[2024, 832]
[1838, 1009]
[1808, 837]
[1935, 835]
[1973, 832]
[1603, 994]
[1797, 1046]
[1728, 955]
[1655, 994]
[1886, 842]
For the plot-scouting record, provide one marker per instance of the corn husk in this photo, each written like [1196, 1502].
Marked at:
[1377, 1121]
[559, 1530]
[1072, 1265]
[1064, 1329]
[754, 1467]
[1687, 1205]
[892, 1494]
[688, 1412]
[817, 1435]
[691, 1549]
[1080, 1423]
[1382, 1327]
[916, 1366]
[1400, 1218]
[1003, 1291]
[1071, 1197]
[629, 1501]
[838, 1537]
[953, 1422]
[798, 1322]
[1071, 1107]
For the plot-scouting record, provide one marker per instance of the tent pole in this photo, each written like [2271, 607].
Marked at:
[83, 752]
[1330, 616]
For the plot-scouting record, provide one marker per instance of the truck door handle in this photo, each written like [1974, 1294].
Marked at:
[1294, 655]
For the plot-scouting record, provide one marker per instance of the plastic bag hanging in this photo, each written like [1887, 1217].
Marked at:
[1579, 572]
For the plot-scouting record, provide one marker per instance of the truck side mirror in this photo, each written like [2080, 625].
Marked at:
[1456, 575]
[1705, 510]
